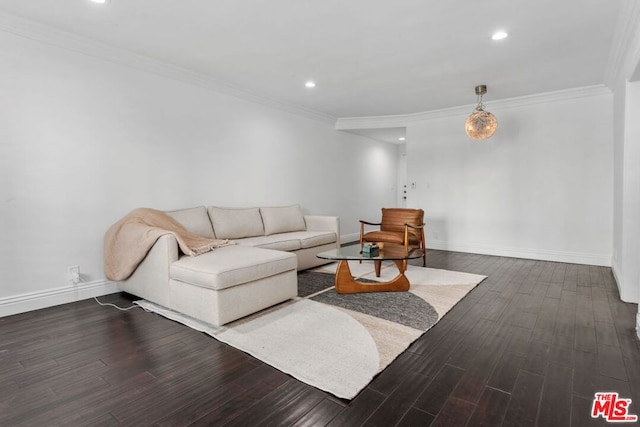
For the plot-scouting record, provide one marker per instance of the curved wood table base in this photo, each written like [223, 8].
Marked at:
[346, 284]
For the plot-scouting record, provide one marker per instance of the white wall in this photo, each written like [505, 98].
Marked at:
[624, 76]
[618, 179]
[540, 188]
[83, 141]
[626, 258]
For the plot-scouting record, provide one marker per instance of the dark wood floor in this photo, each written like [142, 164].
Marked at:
[529, 346]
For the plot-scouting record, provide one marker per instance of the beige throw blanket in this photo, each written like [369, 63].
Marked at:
[128, 241]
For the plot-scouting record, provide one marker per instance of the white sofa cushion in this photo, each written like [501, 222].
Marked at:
[195, 220]
[290, 241]
[282, 219]
[236, 223]
[230, 266]
[311, 239]
[278, 242]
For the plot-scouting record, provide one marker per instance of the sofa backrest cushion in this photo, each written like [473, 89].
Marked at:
[282, 219]
[195, 220]
[231, 223]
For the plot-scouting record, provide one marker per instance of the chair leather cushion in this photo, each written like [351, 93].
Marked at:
[390, 237]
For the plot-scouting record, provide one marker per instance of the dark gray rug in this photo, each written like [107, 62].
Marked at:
[404, 308]
[310, 283]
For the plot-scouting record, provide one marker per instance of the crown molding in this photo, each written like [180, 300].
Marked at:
[54, 37]
[625, 48]
[71, 42]
[379, 122]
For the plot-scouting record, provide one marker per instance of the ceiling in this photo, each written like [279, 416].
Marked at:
[368, 57]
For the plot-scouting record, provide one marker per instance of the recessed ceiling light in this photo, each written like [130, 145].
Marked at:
[499, 35]
[402, 138]
[310, 84]
[99, 1]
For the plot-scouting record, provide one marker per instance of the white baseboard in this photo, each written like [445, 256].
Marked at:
[50, 297]
[618, 276]
[557, 256]
[615, 269]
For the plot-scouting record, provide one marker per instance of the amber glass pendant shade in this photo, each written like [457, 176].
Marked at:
[481, 124]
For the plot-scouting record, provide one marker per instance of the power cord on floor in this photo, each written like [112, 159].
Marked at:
[108, 304]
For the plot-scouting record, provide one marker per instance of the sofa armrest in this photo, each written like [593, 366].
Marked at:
[151, 279]
[323, 223]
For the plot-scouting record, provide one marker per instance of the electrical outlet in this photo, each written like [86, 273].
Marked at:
[73, 274]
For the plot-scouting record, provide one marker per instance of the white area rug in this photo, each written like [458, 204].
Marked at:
[339, 343]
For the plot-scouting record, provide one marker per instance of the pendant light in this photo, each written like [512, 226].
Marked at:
[481, 124]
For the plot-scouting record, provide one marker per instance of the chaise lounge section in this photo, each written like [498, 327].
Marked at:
[258, 271]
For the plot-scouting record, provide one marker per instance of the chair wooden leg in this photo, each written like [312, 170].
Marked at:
[424, 255]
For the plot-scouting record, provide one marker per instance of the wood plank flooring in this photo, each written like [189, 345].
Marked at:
[529, 346]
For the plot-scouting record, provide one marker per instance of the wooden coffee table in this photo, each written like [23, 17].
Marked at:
[346, 284]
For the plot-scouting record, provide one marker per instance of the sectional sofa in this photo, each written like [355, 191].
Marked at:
[258, 271]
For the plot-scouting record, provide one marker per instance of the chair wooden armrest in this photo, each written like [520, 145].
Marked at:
[417, 227]
[406, 233]
[362, 223]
